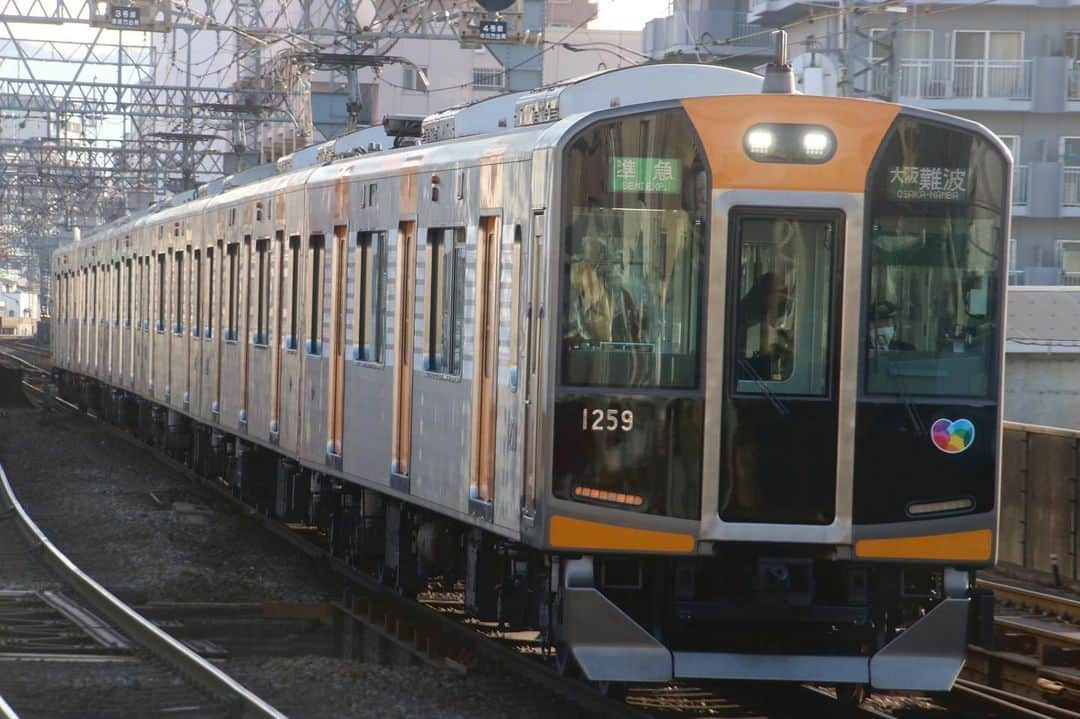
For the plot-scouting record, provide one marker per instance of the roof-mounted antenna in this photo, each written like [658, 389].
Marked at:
[778, 75]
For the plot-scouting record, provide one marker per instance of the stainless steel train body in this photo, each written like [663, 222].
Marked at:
[697, 387]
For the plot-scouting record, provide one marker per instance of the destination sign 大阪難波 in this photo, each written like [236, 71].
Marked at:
[928, 184]
[646, 174]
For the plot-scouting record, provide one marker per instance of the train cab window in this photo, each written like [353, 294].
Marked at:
[371, 295]
[783, 306]
[178, 279]
[316, 245]
[446, 300]
[633, 246]
[936, 243]
[160, 327]
[293, 271]
[262, 301]
[233, 253]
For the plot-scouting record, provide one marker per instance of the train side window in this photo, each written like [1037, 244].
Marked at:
[119, 293]
[210, 290]
[262, 302]
[294, 293]
[446, 301]
[371, 295]
[160, 327]
[130, 288]
[178, 310]
[196, 325]
[233, 252]
[316, 244]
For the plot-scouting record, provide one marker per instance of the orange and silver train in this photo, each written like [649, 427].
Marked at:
[692, 379]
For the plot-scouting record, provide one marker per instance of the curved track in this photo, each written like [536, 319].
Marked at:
[121, 619]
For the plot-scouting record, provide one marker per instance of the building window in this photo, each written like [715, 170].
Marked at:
[294, 300]
[1072, 45]
[233, 252]
[316, 243]
[446, 299]
[414, 79]
[371, 295]
[178, 324]
[262, 303]
[1069, 258]
[488, 78]
[1013, 143]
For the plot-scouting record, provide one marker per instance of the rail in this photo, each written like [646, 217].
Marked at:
[6, 712]
[1070, 191]
[966, 79]
[1074, 83]
[146, 634]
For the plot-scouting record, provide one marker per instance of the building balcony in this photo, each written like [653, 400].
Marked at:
[718, 32]
[1074, 84]
[967, 84]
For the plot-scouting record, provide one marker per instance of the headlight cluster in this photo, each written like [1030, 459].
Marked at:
[777, 142]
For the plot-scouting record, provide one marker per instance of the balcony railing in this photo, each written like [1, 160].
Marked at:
[1020, 185]
[963, 79]
[1074, 82]
[1071, 191]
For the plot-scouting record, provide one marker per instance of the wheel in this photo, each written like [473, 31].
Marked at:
[851, 695]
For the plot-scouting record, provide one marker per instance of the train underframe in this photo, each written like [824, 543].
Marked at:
[751, 611]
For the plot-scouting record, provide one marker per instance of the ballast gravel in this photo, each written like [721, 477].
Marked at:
[149, 534]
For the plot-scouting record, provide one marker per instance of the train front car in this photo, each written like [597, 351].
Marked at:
[777, 390]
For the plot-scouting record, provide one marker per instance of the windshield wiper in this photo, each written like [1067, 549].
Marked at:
[776, 402]
[913, 415]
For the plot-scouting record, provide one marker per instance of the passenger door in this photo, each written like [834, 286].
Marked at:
[779, 443]
[403, 335]
[534, 311]
[486, 349]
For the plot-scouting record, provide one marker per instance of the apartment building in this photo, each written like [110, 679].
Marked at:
[708, 30]
[1012, 65]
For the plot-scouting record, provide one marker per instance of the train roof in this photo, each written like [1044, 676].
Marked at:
[505, 126]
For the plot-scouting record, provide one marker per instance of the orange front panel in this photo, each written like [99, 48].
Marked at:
[976, 545]
[569, 533]
[722, 122]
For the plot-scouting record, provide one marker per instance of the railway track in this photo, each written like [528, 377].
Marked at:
[53, 646]
[375, 623]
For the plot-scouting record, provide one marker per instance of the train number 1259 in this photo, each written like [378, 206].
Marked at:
[612, 420]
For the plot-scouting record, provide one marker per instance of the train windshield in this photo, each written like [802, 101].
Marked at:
[936, 244]
[633, 254]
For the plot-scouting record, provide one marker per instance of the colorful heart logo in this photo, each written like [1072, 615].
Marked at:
[952, 436]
